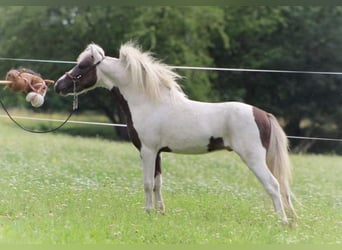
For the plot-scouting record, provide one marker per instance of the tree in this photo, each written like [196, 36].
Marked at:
[178, 35]
[183, 36]
[294, 38]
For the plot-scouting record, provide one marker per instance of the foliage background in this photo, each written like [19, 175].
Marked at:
[292, 38]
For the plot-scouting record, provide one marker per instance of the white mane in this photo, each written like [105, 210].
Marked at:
[150, 74]
[92, 50]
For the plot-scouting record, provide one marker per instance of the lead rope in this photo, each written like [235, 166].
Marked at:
[74, 109]
[75, 99]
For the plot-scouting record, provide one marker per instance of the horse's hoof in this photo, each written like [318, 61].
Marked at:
[162, 211]
[161, 208]
[284, 222]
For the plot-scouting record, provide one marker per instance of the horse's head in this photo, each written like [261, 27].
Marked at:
[83, 76]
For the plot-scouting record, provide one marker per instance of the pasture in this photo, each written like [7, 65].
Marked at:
[56, 188]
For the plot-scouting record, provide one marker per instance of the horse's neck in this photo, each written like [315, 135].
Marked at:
[114, 75]
[123, 103]
[125, 108]
[109, 68]
[129, 104]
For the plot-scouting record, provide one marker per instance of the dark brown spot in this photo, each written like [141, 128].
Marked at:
[216, 144]
[264, 125]
[165, 149]
[124, 106]
[158, 170]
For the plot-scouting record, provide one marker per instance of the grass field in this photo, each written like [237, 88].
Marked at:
[56, 188]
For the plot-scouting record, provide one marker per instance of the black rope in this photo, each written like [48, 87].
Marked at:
[74, 109]
[36, 131]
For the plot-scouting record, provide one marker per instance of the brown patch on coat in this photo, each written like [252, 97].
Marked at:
[158, 170]
[217, 144]
[133, 134]
[264, 125]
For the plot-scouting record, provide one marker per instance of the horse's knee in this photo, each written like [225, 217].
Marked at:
[272, 187]
[148, 186]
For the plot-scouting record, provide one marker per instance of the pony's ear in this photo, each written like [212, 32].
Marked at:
[96, 51]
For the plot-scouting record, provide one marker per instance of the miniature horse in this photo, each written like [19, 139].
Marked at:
[160, 118]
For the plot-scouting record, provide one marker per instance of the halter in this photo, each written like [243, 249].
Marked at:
[76, 78]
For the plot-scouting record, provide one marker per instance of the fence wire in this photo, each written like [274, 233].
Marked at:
[176, 67]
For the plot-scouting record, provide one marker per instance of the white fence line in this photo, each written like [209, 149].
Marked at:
[36, 60]
[191, 67]
[70, 121]
[124, 125]
[175, 67]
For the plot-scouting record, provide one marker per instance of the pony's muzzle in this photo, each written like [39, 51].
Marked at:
[62, 86]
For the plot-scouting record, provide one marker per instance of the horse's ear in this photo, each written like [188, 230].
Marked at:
[96, 51]
[102, 54]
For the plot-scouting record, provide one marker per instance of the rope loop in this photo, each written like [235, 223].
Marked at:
[74, 109]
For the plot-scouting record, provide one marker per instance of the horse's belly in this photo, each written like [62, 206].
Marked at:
[189, 149]
[195, 144]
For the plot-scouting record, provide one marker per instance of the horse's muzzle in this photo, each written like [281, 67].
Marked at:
[57, 88]
[62, 86]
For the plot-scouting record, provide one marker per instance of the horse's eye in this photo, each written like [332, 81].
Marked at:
[83, 66]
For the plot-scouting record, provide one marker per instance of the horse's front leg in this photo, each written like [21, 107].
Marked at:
[158, 185]
[148, 158]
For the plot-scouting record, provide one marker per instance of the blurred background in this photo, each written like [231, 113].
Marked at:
[285, 38]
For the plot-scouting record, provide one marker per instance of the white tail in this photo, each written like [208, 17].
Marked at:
[279, 163]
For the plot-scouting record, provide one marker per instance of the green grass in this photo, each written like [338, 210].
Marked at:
[61, 189]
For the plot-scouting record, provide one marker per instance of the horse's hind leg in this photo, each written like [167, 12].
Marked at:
[257, 164]
[287, 197]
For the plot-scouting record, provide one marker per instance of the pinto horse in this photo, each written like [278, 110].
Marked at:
[160, 118]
